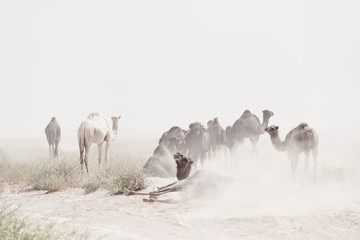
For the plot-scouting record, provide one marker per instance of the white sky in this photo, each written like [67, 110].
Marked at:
[165, 63]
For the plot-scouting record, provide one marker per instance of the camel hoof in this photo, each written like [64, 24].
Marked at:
[152, 196]
[148, 200]
[126, 192]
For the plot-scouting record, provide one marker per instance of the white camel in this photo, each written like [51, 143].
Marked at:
[96, 128]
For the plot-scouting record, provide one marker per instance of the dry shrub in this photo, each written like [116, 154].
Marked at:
[54, 174]
[124, 171]
[116, 178]
[14, 227]
[11, 172]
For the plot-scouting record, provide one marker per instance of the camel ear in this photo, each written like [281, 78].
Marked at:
[276, 127]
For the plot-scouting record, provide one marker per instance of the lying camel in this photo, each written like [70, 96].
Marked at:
[200, 183]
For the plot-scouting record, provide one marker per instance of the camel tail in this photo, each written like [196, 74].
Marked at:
[81, 139]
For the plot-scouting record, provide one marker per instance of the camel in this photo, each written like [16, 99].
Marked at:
[161, 163]
[247, 126]
[197, 142]
[174, 139]
[96, 128]
[217, 136]
[53, 135]
[300, 139]
[200, 184]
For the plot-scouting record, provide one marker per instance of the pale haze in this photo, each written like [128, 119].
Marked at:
[165, 63]
[161, 64]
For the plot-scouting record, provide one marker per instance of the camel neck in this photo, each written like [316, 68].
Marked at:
[277, 143]
[265, 122]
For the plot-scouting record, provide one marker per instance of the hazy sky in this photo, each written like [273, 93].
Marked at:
[165, 63]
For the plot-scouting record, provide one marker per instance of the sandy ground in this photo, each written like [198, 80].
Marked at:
[261, 203]
[120, 217]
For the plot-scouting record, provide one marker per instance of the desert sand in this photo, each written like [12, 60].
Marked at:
[261, 203]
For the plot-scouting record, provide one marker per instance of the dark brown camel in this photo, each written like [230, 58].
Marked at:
[201, 183]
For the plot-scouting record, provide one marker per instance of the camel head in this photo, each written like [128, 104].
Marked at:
[272, 130]
[183, 165]
[195, 124]
[267, 114]
[115, 120]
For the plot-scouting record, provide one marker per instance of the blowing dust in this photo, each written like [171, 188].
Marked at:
[263, 199]
[240, 196]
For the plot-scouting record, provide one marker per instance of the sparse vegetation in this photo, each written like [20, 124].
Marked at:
[54, 175]
[14, 227]
[116, 178]
[58, 174]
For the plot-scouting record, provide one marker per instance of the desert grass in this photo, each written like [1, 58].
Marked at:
[14, 227]
[115, 179]
[124, 171]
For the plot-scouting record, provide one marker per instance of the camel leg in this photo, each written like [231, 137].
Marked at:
[254, 151]
[315, 155]
[56, 148]
[151, 200]
[292, 165]
[202, 158]
[306, 165]
[82, 152]
[87, 150]
[296, 160]
[107, 147]
[50, 150]
[153, 194]
[166, 186]
[100, 148]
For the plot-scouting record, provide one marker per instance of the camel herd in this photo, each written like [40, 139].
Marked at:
[197, 142]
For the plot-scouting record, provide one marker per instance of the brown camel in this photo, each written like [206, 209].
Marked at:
[217, 136]
[53, 135]
[197, 143]
[161, 163]
[300, 139]
[174, 139]
[247, 126]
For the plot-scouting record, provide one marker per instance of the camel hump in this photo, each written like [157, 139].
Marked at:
[302, 126]
[93, 114]
[175, 128]
[246, 114]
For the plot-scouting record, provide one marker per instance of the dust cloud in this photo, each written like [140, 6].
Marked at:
[264, 201]
[244, 196]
